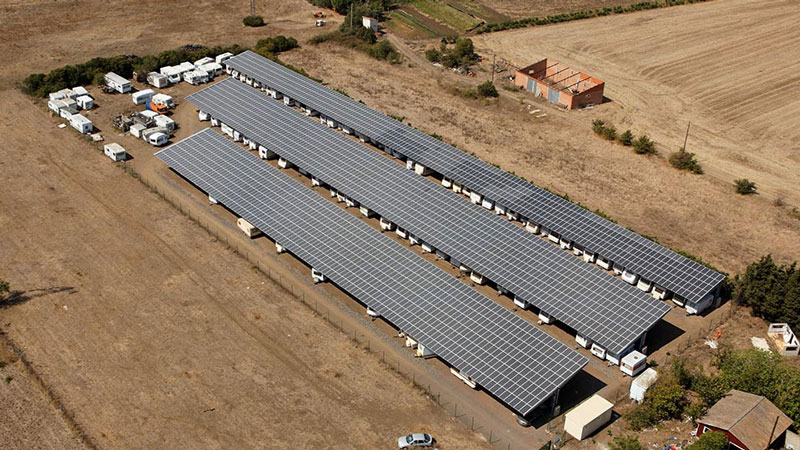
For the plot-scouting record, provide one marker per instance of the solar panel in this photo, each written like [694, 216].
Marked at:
[510, 358]
[637, 254]
[600, 307]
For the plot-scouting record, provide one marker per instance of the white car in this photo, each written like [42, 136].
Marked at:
[415, 440]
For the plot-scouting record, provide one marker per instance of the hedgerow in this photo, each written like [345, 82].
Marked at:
[579, 15]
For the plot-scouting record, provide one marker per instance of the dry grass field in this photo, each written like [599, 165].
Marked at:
[154, 335]
[729, 67]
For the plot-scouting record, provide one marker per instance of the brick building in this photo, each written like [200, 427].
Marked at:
[560, 85]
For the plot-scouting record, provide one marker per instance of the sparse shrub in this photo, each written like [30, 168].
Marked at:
[626, 138]
[684, 160]
[487, 89]
[3, 364]
[8, 379]
[644, 146]
[745, 186]
[598, 126]
[626, 442]
[253, 21]
[710, 440]
[609, 133]
[433, 55]
[5, 287]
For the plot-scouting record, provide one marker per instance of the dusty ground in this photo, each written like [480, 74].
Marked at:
[154, 335]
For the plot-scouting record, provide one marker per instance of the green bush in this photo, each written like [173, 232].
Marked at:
[684, 160]
[253, 21]
[487, 89]
[609, 133]
[644, 146]
[664, 400]
[745, 186]
[598, 126]
[433, 55]
[626, 138]
[626, 442]
[710, 440]
[275, 45]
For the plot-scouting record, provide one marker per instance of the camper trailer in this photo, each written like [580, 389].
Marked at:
[173, 74]
[117, 83]
[248, 228]
[195, 76]
[223, 57]
[155, 136]
[85, 102]
[164, 122]
[164, 100]
[143, 96]
[157, 80]
[81, 123]
[115, 151]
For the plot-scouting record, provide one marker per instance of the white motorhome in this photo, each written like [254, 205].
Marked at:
[173, 74]
[81, 123]
[115, 151]
[213, 69]
[158, 80]
[164, 122]
[85, 102]
[163, 99]
[223, 57]
[143, 96]
[117, 83]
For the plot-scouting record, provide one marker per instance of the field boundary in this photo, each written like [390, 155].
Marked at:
[52, 397]
[582, 14]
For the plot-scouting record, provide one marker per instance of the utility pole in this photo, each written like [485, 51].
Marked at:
[351, 16]
[493, 57]
[252, 7]
[686, 139]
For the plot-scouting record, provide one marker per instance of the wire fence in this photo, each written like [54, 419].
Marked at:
[408, 368]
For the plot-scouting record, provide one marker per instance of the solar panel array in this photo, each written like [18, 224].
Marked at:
[510, 358]
[640, 255]
[600, 307]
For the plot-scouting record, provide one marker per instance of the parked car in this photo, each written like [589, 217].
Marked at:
[415, 440]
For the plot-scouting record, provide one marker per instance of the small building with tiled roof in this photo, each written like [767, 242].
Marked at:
[751, 422]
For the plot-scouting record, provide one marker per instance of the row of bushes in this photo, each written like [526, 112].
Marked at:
[641, 145]
[92, 71]
[579, 15]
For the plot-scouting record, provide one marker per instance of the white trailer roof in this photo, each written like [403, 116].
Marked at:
[114, 78]
[78, 118]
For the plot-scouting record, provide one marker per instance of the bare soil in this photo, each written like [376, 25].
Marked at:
[155, 335]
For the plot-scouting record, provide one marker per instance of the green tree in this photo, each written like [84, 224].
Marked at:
[684, 160]
[626, 138]
[644, 146]
[772, 291]
[487, 89]
[626, 442]
[745, 186]
[710, 440]
[5, 288]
